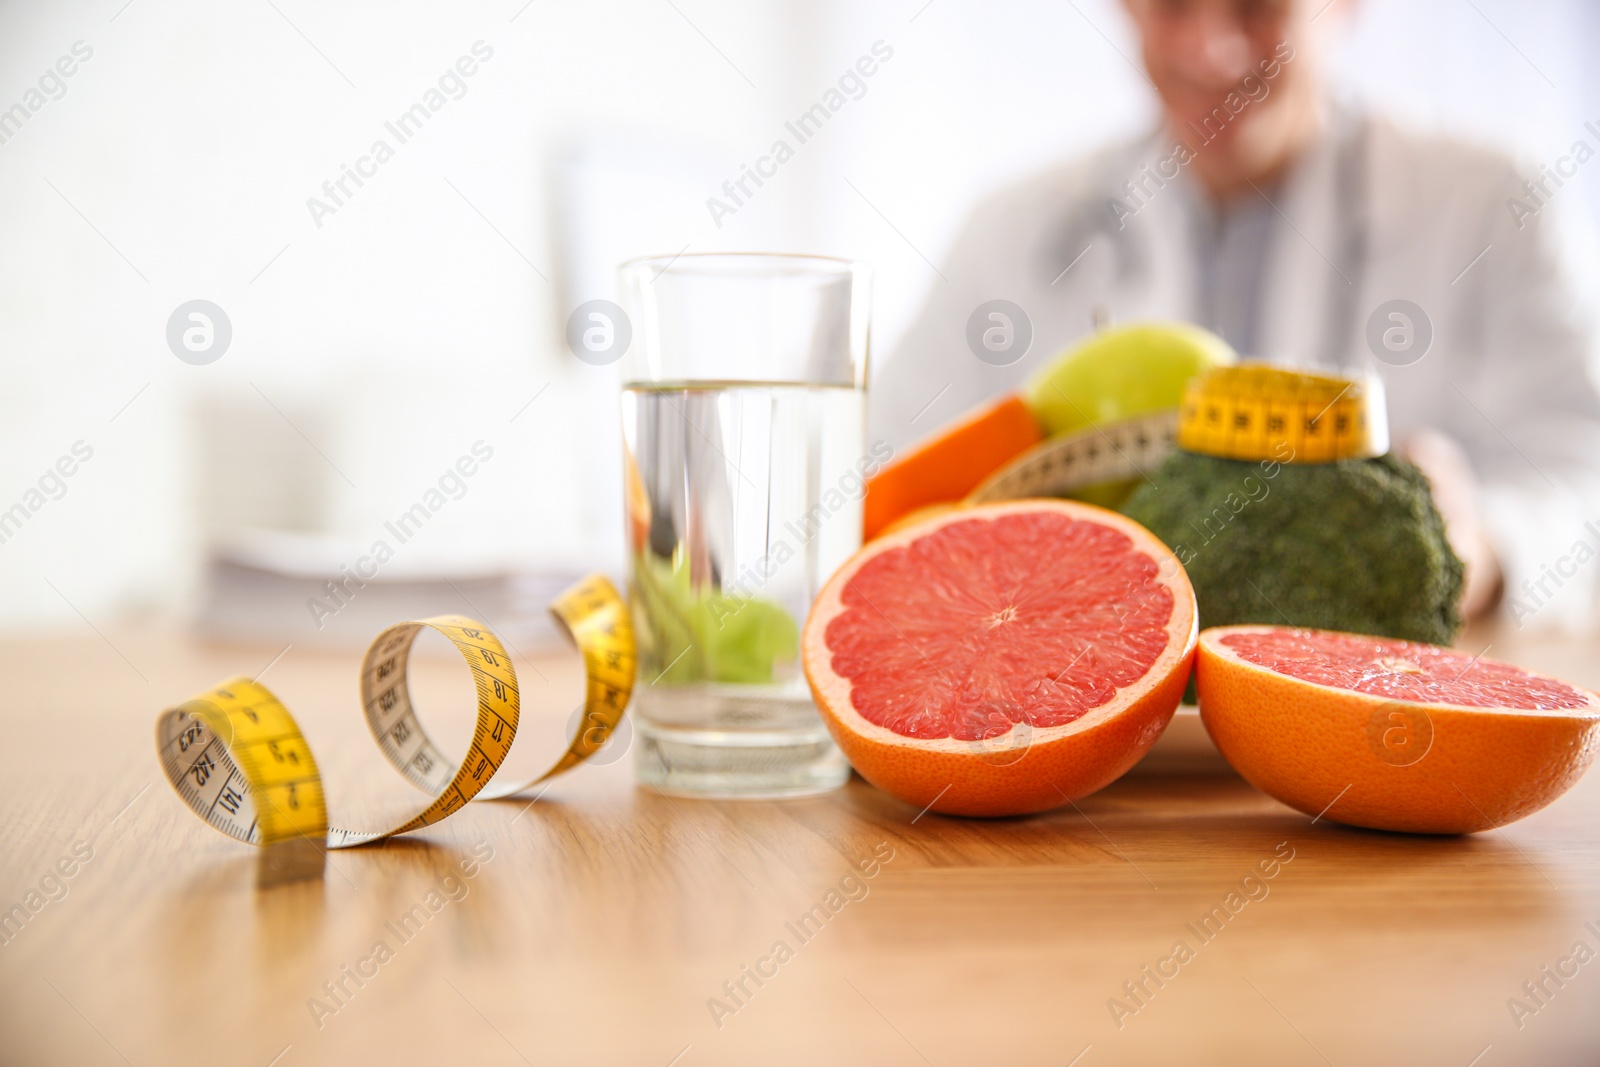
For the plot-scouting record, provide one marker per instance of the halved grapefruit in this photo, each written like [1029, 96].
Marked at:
[1391, 734]
[1003, 658]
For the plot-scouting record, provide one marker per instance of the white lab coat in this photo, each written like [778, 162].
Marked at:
[1510, 373]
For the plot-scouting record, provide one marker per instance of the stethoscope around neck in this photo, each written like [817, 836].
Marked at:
[1347, 260]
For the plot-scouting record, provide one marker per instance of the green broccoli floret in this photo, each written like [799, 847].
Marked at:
[1355, 545]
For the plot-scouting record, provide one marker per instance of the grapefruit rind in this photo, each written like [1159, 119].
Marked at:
[1057, 764]
[1310, 746]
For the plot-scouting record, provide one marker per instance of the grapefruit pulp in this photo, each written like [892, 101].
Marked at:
[1391, 734]
[1002, 658]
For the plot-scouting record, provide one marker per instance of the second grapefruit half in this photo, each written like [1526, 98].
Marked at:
[1390, 734]
[1003, 658]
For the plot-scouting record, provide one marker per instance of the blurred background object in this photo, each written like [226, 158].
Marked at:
[397, 315]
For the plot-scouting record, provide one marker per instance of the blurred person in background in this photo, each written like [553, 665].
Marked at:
[1286, 223]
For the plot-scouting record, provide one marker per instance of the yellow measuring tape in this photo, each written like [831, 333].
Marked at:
[1247, 412]
[1255, 411]
[238, 759]
[1063, 465]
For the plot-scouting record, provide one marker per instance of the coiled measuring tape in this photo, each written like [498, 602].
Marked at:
[238, 759]
[1248, 411]
[1113, 452]
[1256, 411]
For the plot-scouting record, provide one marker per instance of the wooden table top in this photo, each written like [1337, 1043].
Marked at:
[606, 924]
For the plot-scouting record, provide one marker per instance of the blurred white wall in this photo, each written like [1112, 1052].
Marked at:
[371, 352]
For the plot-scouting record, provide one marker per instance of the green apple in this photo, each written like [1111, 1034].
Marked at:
[1120, 373]
[703, 635]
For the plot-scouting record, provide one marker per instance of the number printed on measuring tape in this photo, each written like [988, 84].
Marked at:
[237, 757]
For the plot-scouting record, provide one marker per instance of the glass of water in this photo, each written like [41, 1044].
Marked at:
[743, 420]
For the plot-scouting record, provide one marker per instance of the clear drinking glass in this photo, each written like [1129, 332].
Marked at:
[743, 416]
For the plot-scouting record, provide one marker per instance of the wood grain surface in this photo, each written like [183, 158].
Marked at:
[605, 924]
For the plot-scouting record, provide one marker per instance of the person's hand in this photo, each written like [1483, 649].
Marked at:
[1455, 494]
